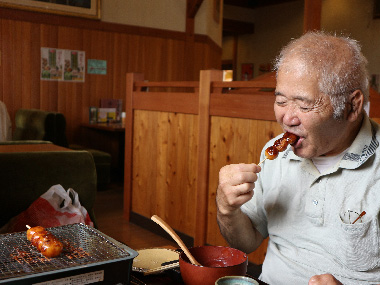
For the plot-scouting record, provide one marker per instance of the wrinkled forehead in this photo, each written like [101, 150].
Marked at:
[295, 78]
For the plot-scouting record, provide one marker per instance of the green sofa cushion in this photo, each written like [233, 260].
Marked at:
[32, 124]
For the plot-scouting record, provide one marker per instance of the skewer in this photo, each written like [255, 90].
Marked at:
[360, 216]
[261, 162]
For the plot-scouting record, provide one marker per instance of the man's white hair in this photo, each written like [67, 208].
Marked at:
[337, 61]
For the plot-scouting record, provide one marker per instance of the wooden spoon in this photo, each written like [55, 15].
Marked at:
[174, 235]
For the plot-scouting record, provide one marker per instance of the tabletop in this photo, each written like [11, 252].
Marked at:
[173, 276]
[169, 277]
[110, 127]
[31, 147]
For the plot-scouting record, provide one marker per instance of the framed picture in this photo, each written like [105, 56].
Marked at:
[78, 8]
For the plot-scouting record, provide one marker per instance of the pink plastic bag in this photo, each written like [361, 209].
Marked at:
[54, 208]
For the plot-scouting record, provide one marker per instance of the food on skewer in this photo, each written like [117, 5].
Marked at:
[271, 152]
[279, 145]
[44, 241]
[31, 231]
[290, 138]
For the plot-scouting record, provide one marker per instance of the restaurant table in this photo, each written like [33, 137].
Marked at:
[31, 147]
[108, 137]
[109, 127]
[173, 276]
[170, 277]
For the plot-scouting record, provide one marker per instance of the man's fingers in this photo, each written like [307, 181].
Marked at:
[238, 174]
[238, 195]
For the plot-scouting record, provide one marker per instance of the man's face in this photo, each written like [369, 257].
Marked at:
[301, 109]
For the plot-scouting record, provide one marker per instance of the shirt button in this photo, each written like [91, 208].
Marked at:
[315, 202]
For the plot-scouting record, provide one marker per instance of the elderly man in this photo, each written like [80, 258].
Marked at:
[308, 198]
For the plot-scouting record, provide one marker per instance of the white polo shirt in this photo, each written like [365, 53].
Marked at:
[305, 214]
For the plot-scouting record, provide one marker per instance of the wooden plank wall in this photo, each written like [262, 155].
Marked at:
[159, 54]
[165, 167]
[161, 151]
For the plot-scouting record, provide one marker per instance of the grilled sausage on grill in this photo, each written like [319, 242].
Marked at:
[45, 241]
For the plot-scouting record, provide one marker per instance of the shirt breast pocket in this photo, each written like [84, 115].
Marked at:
[358, 245]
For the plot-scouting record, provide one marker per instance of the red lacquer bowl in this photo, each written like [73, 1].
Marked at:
[217, 261]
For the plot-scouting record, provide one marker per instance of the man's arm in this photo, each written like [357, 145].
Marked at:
[236, 184]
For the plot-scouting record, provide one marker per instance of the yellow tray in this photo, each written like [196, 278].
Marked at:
[151, 260]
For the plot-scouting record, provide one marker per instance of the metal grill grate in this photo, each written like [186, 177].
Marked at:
[82, 245]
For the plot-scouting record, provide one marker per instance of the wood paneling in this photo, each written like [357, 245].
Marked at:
[165, 167]
[159, 54]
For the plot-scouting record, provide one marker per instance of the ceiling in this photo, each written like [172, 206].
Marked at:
[235, 28]
[252, 4]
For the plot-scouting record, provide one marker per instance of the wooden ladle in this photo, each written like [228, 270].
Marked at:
[174, 235]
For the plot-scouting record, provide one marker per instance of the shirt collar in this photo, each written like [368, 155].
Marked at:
[363, 147]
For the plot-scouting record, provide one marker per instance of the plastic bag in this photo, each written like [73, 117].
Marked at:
[56, 207]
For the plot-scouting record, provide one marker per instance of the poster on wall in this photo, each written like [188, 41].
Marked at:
[62, 64]
[51, 64]
[95, 66]
[74, 65]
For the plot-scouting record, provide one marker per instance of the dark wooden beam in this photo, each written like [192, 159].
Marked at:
[312, 15]
[252, 4]
[193, 7]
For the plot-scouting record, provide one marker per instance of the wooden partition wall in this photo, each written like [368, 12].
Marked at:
[177, 139]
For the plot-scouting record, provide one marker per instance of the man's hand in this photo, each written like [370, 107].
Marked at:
[236, 183]
[324, 279]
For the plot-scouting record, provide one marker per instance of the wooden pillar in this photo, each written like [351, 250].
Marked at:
[235, 57]
[312, 15]
[191, 11]
[128, 158]
[188, 61]
[206, 77]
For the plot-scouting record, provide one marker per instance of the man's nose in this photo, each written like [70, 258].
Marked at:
[291, 117]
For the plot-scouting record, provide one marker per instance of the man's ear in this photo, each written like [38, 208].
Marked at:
[355, 100]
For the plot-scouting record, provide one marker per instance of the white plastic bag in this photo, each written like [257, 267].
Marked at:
[54, 208]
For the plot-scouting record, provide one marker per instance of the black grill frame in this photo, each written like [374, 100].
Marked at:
[85, 250]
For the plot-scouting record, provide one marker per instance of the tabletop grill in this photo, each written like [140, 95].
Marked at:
[87, 254]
